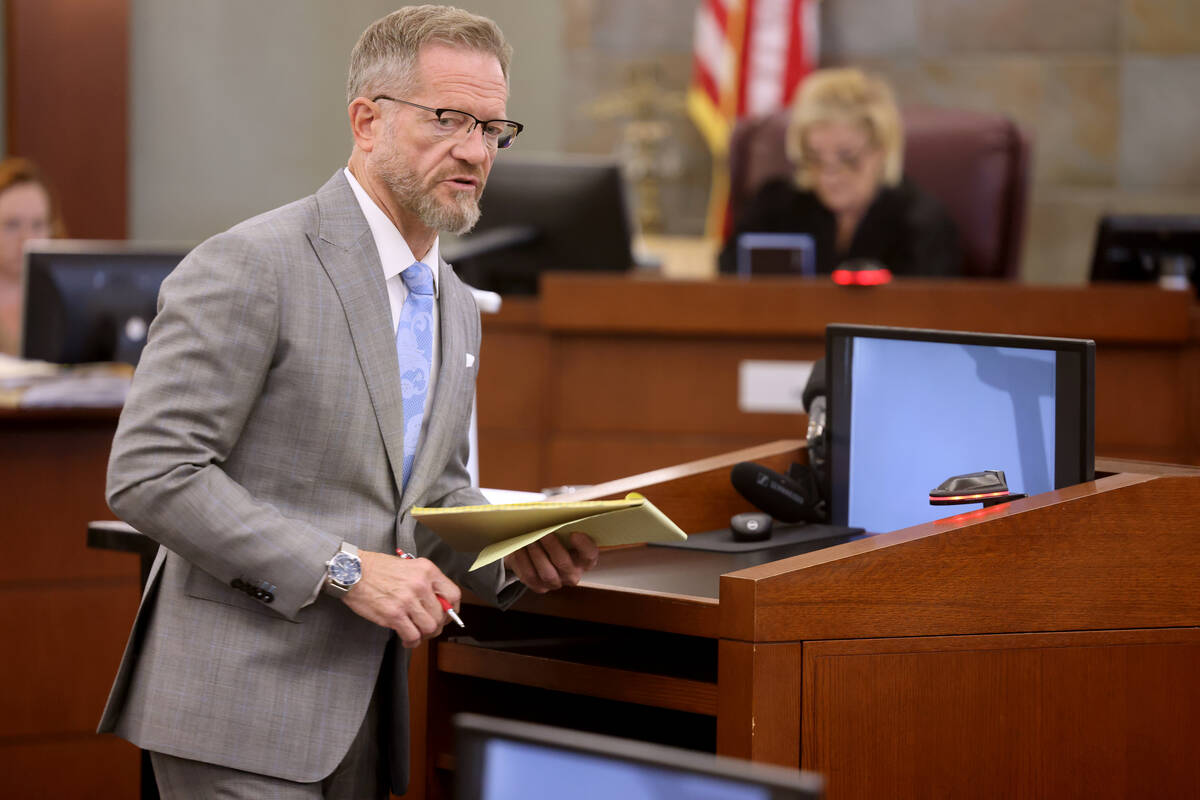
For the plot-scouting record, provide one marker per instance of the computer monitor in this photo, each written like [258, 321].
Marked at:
[539, 214]
[908, 409]
[499, 759]
[776, 254]
[1140, 247]
[88, 301]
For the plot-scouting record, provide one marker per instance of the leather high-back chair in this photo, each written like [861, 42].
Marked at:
[975, 163]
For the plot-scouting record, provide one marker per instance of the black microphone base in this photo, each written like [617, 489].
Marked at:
[783, 535]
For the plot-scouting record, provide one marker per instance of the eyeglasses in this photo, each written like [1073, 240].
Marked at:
[850, 162]
[497, 133]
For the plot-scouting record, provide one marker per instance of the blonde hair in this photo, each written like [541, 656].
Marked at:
[851, 96]
[386, 53]
[17, 171]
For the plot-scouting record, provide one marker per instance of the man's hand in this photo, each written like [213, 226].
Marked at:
[402, 594]
[547, 564]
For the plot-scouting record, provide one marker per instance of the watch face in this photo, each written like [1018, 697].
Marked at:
[345, 569]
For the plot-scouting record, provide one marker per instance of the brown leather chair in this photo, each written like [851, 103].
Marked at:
[975, 163]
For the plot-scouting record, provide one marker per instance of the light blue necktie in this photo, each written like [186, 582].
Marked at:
[414, 349]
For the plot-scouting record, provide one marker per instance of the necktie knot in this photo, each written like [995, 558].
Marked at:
[418, 278]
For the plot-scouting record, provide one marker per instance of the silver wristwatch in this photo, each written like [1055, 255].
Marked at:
[343, 570]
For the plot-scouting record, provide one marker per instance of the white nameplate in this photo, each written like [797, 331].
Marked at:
[772, 387]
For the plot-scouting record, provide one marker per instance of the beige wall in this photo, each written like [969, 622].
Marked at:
[238, 106]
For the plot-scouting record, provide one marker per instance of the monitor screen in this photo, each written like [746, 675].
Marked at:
[1139, 247]
[776, 254]
[908, 409]
[88, 301]
[539, 214]
[499, 759]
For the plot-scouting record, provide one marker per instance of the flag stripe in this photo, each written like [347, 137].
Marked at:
[749, 56]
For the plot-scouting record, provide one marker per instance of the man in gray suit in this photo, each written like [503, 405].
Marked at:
[308, 379]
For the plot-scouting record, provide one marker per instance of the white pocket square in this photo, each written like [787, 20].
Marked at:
[470, 360]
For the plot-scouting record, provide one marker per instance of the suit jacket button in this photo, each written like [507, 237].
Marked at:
[267, 597]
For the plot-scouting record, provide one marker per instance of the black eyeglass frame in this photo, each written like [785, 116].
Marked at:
[437, 112]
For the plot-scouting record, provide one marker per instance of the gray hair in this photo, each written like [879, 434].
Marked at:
[387, 51]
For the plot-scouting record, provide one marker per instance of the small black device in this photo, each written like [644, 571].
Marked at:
[988, 487]
[1147, 247]
[89, 301]
[545, 213]
[750, 526]
[776, 254]
[501, 759]
[788, 498]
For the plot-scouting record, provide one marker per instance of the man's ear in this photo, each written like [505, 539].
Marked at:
[365, 123]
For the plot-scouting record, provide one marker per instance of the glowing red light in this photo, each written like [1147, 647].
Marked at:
[861, 277]
[962, 498]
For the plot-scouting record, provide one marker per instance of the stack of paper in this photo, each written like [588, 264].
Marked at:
[496, 531]
[38, 384]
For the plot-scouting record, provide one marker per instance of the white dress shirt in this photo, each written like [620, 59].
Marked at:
[396, 256]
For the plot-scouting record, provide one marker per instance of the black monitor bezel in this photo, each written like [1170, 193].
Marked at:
[472, 731]
[42, 258]
[1074, 432]
[560, 212]
[1156, 233]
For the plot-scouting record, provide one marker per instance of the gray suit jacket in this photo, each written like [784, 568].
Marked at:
[264, 427]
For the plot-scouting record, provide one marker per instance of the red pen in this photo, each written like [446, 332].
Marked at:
[445, 603]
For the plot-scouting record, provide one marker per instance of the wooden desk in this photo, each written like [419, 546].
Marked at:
[606, 375]
[1046, 648]
[65, 610]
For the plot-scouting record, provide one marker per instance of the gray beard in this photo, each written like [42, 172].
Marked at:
[453, 217]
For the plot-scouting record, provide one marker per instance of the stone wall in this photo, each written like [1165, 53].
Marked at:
[1109, 89]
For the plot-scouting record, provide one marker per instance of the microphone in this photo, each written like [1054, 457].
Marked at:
[814, 387]
[814, 405]
[784, 498]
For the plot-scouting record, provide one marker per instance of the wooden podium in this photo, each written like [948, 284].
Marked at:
[1044, 648]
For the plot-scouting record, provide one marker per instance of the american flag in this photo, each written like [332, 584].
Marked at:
[749, 57]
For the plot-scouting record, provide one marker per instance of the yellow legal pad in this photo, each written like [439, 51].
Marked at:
[496, 531]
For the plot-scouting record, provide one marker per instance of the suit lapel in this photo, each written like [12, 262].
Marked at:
[453, 385]
[347, 251]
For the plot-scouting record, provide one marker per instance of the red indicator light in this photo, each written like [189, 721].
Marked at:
[861, 277]
[963, 498]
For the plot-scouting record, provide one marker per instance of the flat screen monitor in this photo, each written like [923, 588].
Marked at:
[776, 254]
[540, 214]
[499, 759]
[1140, 247]
[89, 301]
[908, 409]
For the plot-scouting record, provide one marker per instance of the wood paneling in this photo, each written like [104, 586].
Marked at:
[759, 711]
[65, 610]
[65, 640]
[696, 697]
[586, 459]
[67, 104]
[1114, 553]
[1089, 714]
[52, 469]
[103, 768]
[662, 386]
[798, 308]
[641, 373]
